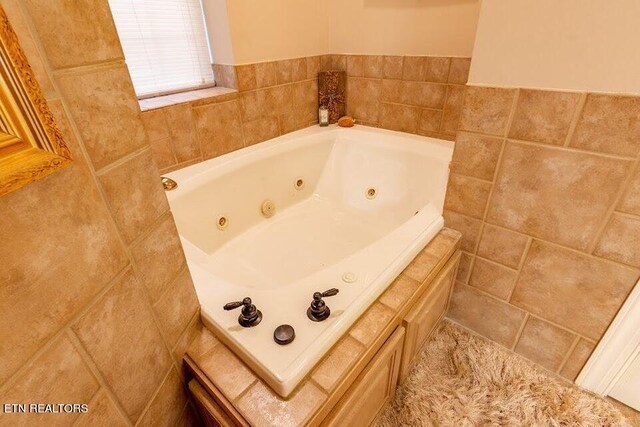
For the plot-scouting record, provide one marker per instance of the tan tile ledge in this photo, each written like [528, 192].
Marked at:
[214, 94]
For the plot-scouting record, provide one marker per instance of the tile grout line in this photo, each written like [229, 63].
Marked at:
[523, 258]
[520, 331]
[575, 119]
[154, 395]
[567, 356]
[22, 369]
[593, 244]
[91, 365]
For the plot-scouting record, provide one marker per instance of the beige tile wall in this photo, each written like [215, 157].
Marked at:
[96, 302]
[545, 189]
[416, 94]
[272, 98]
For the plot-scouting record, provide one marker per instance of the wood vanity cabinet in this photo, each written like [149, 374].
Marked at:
[426, 313]
[374, 387]
[376, 383]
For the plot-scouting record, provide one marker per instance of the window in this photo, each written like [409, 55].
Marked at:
[165, 44]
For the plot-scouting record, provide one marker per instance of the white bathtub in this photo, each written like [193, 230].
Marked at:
[320, 232]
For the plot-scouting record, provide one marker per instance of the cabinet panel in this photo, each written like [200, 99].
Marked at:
[212, 415]
[426, 313]
[373, 388]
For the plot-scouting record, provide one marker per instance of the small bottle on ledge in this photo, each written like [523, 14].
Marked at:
[323, 115]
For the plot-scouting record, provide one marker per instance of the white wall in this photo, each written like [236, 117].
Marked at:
[589, 45]
[247, 31]
[403, 27]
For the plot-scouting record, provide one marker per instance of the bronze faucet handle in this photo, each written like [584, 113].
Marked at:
[331, 292]
[249, 315]
[318, 311]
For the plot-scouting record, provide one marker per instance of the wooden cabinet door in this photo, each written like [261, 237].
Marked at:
[426, 313]
[373, 388]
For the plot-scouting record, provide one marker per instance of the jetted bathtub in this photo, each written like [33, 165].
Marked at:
[350, 209]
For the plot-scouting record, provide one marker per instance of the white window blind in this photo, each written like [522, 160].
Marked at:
[165, 44]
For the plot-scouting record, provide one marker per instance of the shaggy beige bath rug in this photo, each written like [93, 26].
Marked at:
[463, 380]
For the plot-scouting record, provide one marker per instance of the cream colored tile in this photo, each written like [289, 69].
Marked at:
[502, 245]
[59, 249]
[554, 278]
[305, 103]
[135, 195]
[260, 130]
[469, 227]
[427, 95]
[75, 32]
[261, 405]
[544, 116]
[493, 278]
[577, 359]
[284, 69]
[298, 69]
[620, 240]
[56, 376]
[544, 343]
[167, 405]
[374, 66]
[630, 202]
[430, 120]
[102, 413]
[182, 132]
[246, 77]
[120, 335]
[467, 195]
[372, 323]
[436, 69]
[403, 118]
[162, 153]
[444, 243]
[487, 110]
[363, 98]
[176, 307]
[105, 108]
[421, 266]
[392, 67]
[459, 70]
[337, 363]
[155, 124]
[414, 68]
[555, 194]
[313, 67]
[202, 344]
[399, 292]
[355, 65]
[193, 331]
[226, 370]
[219, 128]
[476, 155]
[609, 124]
[158, 257]
[266, 74]
[465, 267]
[452, 112]
[487, 316]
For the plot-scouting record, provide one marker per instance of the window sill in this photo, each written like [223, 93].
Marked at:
[210, 94]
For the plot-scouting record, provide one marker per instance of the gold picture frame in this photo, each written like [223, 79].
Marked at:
[31, 145]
